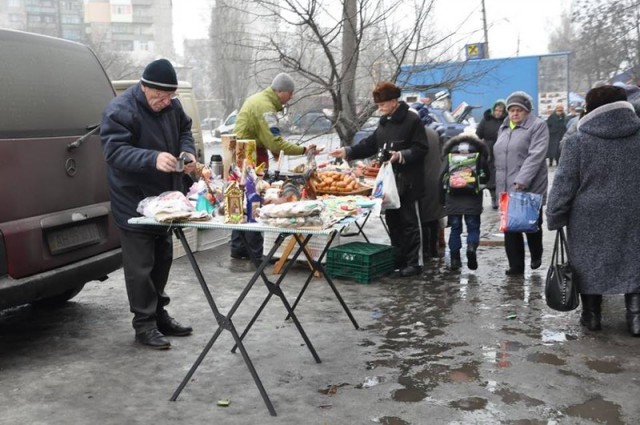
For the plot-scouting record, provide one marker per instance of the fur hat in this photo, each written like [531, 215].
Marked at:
[160, 75]
[283, 82]
[603, 95]
[521, 99]
[385, 91]
[498, 103]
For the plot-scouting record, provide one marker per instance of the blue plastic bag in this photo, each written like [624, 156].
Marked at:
[519, 211]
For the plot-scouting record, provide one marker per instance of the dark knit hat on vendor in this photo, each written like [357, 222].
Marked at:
[283, 82]
[160, 75]
[521, 99]
[385, 91]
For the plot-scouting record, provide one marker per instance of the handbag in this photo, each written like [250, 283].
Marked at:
[561, 289]
[519, 211]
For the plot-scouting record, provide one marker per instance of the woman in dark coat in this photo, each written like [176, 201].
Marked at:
[401, 135]
[557, 123]
[487, 130]
[596, 196]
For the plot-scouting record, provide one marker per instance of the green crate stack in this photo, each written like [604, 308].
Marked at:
[360, 261]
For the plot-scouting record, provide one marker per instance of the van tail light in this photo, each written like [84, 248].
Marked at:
[4, 269]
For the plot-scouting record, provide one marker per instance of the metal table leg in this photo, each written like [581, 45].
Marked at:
[224, 323]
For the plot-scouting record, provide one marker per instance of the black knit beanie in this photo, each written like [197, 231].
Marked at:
[160, 75]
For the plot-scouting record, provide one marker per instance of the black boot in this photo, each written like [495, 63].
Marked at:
[494, 199]
[456, 263]
[590, 317]
[632, 302]
[472, 259]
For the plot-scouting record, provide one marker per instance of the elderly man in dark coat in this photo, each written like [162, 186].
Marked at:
[595, 195]
[400, 136]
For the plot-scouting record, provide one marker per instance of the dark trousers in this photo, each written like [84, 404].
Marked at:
[405, 234]
[146, 260]
[256, 242]
[514, 246]
[430, 236]
[473, 231]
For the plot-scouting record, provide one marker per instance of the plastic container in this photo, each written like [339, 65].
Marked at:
[216, 165]
[360, 261]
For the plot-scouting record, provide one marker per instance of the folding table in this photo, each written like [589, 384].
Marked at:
[224, 321]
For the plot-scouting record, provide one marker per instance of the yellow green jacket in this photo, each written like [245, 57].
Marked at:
[257, 118]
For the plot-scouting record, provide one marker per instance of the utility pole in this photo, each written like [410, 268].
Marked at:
[486, 32]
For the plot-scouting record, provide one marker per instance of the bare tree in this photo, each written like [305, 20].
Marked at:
[118, 65]
[604, 38]
[322, 43]
[231, 53]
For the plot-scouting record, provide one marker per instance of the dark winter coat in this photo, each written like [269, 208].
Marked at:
[132, 136]
[487, 130]
[456, 204]
[557, 127]
[402, 131]
[595, 194]
[520, 156]
[430, 206]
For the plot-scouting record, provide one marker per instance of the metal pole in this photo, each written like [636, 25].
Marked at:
[486, 32]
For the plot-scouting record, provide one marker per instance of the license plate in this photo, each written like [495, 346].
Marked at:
[71, 238]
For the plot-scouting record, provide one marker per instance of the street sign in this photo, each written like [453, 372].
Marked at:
[475, 51]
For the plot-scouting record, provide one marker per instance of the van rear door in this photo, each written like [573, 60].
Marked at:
[54, 200]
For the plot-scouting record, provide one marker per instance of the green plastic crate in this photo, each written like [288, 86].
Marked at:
[360, 261]
[361, 253]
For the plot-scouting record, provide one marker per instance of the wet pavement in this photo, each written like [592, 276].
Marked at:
[467, 347]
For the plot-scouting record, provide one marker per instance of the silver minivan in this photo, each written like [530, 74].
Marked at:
[56, 229]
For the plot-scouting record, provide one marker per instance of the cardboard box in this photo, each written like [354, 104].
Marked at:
[192, 238]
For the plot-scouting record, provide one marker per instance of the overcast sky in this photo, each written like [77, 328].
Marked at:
[515, 27]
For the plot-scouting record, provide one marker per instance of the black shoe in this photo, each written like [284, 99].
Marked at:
[456, 263]
[536, 263]
[514, 271]
[169, 326]
[591, 320]
[410, 271]
[472, 259]
[239, 256]
[153, 339]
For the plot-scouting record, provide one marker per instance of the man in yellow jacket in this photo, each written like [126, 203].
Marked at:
[258, 120]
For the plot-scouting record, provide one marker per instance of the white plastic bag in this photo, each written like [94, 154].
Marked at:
[385, 188]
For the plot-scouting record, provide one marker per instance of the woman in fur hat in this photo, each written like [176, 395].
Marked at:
[402, 136]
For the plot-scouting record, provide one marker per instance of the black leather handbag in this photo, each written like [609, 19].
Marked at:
[561, 289]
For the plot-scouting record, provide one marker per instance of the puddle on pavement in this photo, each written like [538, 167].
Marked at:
[466, 373]
[597, 410]
[390, 420]
[546, 358]
[604, 366]
[511, 397]
[470, 403]
[410, 395]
